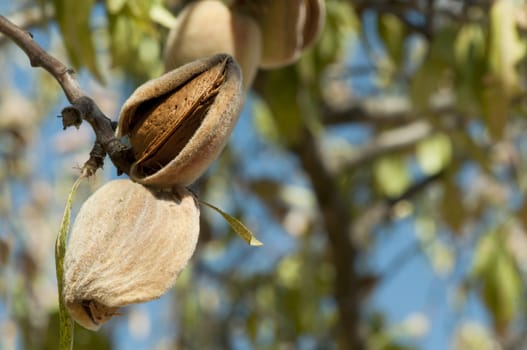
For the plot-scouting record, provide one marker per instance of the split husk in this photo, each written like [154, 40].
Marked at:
[178, 123]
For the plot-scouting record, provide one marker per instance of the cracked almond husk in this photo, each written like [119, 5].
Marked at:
[127, 245]
[178, 123]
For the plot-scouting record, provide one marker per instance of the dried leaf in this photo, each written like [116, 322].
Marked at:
[237, 226]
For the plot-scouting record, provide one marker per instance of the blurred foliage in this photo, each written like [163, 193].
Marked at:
[403, 112]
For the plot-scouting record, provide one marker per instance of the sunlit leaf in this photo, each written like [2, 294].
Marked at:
[341, 22]
[140, 8]
[506, 46]
[501, 291]
[115, 6]
[237, 226]
[484, 253]
[288, 271]
[434, 153]
[442, 257]
[149, 50]
[263, 121]
[391, 175]
[134, 40]
[473, 336]
[73, 18]
[162, 16]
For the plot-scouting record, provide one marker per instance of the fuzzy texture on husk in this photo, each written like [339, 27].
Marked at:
[127, 245]
[209, 27]
[288, 29]
[206, 115]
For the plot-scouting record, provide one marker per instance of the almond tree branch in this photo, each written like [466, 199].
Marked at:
[83, 107]
[337, 222]
[30, 17]
[389, 141]
[360, 114]
[38, 57]
[379, 210]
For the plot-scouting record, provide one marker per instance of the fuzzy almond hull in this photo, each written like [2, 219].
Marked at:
[127, 245]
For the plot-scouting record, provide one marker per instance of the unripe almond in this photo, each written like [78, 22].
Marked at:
[208, 27]
[179, 123]
[127, 245]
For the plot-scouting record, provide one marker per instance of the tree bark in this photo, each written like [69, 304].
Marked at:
[336, 216]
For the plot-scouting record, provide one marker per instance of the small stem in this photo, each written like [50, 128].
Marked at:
[103, 127]
[96, 161]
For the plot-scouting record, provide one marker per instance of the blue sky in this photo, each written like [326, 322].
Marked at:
[415, 288]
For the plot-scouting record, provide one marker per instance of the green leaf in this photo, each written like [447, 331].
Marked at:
[162, 16]
[341, 23]
[506, 46]
[263, 121]
[115, 6]
[134, 41]
[471, 66]
[506, 49]
[391, 175]
[237, 226]
[73, 18]
[435, 71]
[484, 254]
[502, 288]
[434, 153]
[470, 335]
[65, 322]
[281, 94]
[393, 33]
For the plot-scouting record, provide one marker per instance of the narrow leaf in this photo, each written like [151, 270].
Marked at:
[237, 226]
[393, 33]
[73, 18]
[161, 15]
[65, 322]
